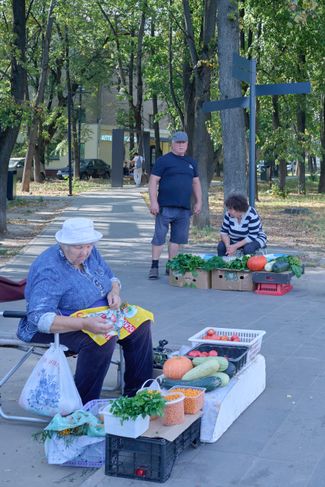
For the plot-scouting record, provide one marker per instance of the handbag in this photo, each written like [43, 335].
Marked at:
[50, 389]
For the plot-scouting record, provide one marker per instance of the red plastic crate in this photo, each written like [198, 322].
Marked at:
[273, 289]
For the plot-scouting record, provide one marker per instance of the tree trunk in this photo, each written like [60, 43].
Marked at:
[232, 121]
[158, 152]
[276, 125]
[201, 59]
[38, 100]
[321, 186]
[301, 124]
[189, 103]
[18, 85]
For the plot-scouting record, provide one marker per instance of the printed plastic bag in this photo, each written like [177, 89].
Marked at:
[125, 320]
[50, 389]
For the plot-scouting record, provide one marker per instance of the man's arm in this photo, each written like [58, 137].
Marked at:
[153, 191]
[197, 191]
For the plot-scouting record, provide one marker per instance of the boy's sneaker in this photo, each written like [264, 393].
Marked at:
[153, 273]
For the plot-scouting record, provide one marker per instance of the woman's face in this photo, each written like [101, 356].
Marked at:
[235, 213]
[77, 254]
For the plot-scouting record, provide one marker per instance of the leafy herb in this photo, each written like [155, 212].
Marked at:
[144, 403]
[295, 264]
[190, 263]
[185, 263]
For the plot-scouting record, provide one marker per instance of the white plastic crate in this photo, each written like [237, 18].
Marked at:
[249, 338]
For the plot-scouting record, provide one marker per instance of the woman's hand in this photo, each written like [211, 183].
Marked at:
[231, 249]
[114, 300]
[96, 325]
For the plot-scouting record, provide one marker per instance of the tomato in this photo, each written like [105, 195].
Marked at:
[213, 353]
[224, 338]
[192, 353]
[235, 338]
[204, 354]
[210, 332]
[217, 337]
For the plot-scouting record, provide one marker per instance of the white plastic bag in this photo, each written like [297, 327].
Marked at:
[153, 386]
[50, 389]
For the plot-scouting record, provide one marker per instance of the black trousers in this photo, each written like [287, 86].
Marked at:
[249, 248]
[94, 360]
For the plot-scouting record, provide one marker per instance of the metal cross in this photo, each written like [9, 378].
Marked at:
[245, 70]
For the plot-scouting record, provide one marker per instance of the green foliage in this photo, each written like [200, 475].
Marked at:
[276, 191]
[144, 403]
[183, 263]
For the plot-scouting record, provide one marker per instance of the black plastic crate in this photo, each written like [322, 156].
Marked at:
[262, 277]
[150, 459]
[235, 355]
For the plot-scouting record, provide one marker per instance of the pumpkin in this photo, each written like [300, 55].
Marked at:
[176, 367]
[256, 263]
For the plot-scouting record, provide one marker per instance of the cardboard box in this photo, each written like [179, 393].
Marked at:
[232, 280]
[197, 279]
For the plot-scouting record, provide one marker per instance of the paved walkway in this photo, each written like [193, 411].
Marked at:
[277, 442]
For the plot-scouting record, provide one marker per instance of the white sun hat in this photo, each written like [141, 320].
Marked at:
[78, 231]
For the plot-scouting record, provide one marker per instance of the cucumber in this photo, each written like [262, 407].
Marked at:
[209, 383]
[280, 267]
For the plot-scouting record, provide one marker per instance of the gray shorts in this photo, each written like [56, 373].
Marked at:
[179, 221]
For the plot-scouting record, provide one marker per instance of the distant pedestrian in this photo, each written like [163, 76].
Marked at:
[138, 168]
[241, 228]
[173, 181]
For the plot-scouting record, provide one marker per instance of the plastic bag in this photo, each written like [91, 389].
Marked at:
[125, 320]
[153, 386]
[50, 389]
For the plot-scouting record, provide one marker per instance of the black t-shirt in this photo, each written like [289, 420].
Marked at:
[176, 183]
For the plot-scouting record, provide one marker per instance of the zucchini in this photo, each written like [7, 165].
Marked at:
[223, 377]
[269, 265]
[209, 383]
[205, 369]
[222, 361]
[231, 369]
[280, 267]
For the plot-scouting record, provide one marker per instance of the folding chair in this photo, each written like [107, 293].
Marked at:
[12, 291]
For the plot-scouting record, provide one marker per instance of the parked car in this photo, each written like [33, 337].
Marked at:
[95, 168]
[17, 164]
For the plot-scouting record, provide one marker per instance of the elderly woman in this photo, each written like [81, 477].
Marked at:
[241, 228]
[70, 276]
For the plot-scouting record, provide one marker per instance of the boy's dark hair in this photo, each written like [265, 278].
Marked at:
[237, 202]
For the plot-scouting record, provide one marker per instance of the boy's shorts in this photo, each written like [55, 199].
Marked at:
[179, 221]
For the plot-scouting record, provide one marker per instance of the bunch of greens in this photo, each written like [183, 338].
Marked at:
[144, 403]
[185, 263]
[190, 263]
[294, 262]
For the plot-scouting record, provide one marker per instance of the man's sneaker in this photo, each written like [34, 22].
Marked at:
[153, 273]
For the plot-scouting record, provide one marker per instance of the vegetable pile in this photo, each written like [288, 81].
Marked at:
[209, 372]
[183, 263]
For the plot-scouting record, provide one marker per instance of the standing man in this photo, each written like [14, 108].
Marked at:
[137, 171]
[174, 178]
